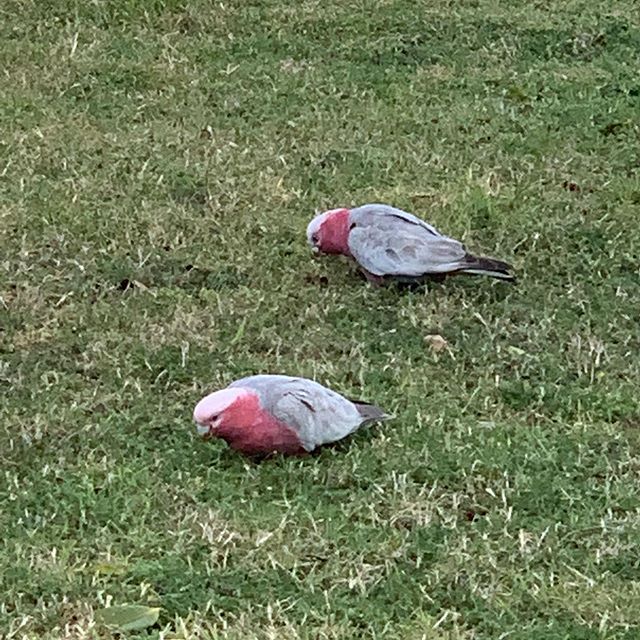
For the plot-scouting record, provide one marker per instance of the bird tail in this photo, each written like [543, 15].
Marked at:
[474, 265]
[370, 412]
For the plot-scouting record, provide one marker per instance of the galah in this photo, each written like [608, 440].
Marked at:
[265, 414]
[388, 243]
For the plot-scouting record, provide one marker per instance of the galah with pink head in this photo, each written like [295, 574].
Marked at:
[265, 414]
[388, 243]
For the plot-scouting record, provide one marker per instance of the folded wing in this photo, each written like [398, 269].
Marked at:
[317, 414]
[391, 242]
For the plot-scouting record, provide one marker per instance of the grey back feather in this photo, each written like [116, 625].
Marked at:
[388, 241]
[317, 414]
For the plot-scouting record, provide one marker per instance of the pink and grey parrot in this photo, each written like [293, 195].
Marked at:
[390, 243]
[265, 414]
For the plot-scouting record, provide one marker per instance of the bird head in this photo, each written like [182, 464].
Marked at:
[328, 232]
[217, 410]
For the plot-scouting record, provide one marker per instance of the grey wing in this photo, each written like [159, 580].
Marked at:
[318, 415]
[395, 245]
[321, 415]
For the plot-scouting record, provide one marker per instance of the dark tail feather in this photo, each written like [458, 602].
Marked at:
[370, 412]
[473, 265]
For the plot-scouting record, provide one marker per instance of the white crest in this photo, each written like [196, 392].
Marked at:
[314, 227]
[215, 403]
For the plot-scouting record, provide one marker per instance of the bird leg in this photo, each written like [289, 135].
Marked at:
[376, 281]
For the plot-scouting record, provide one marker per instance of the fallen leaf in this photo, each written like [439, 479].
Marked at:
[437, 342]
[128, 617]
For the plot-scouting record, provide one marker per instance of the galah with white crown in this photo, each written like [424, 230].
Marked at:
[390, 243]
[266, 414]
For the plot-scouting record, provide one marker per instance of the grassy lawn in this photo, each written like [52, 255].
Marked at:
[159, 162]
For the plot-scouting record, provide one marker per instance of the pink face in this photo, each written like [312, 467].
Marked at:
[325, 231]
[213, 410]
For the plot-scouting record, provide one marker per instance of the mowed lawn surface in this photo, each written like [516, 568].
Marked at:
[159, 162]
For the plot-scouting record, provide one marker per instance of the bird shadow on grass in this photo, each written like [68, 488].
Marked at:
[478, 288]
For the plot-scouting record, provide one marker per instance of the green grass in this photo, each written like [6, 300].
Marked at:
[159, 162]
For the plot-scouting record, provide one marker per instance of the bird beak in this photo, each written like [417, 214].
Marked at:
[202, 429]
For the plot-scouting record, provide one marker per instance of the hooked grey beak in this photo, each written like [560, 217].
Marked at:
[202, 429]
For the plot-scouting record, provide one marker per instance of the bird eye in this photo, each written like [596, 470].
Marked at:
[314, 238]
